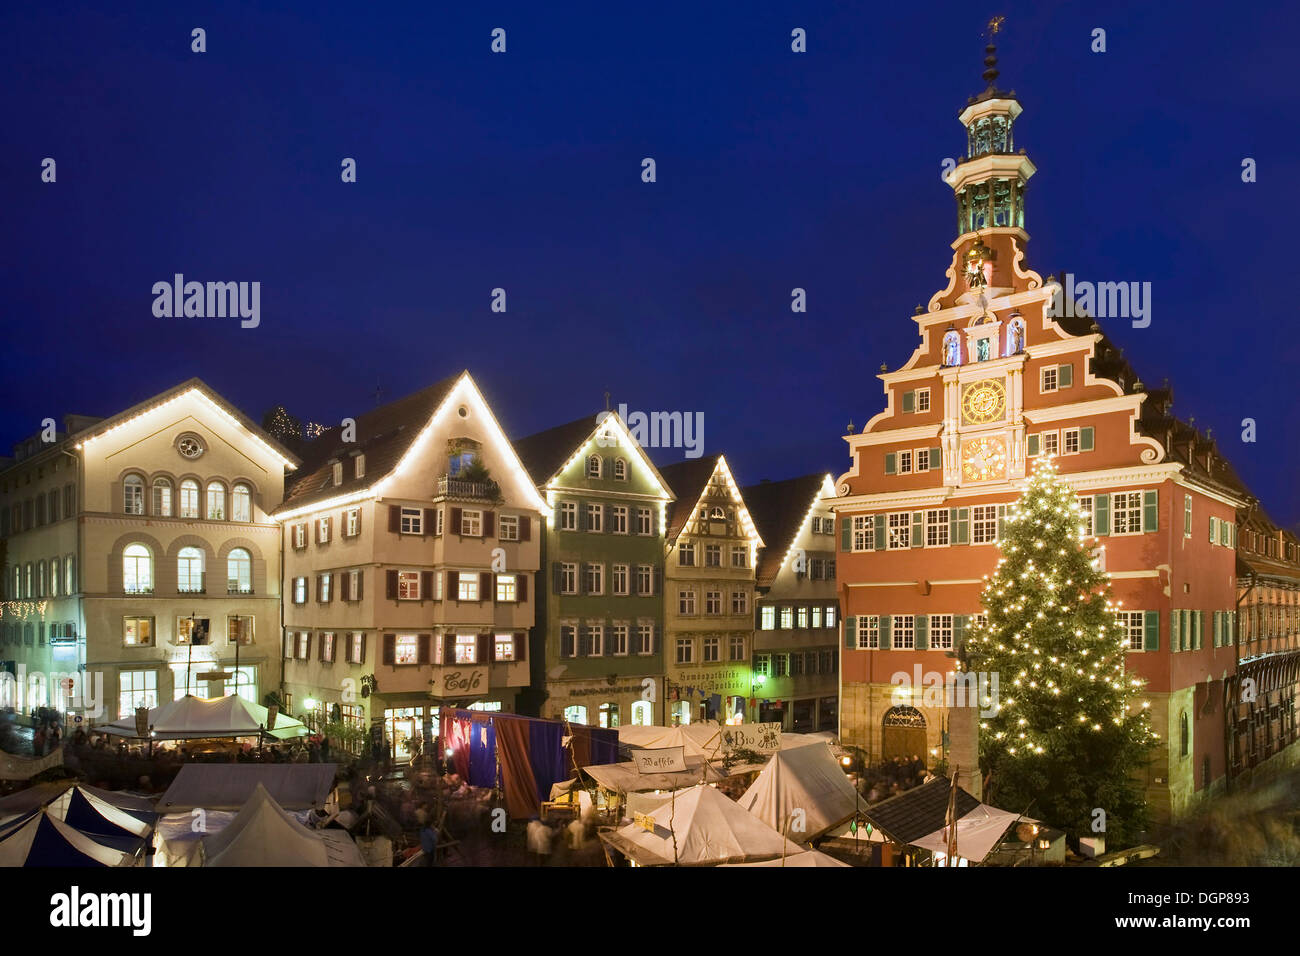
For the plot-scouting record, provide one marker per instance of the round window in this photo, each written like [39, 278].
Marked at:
[190, 446]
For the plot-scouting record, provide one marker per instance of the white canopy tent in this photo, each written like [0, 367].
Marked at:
[702, 740]
[194, 717]
[263, 834]
[802, 792]
[699, 827]
[624, 777]
[978, 832]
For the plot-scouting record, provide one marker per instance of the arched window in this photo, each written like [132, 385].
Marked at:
[1184, 735]
[216, 501]
[575, 714]
[641, 713]
[239, 572]
[137, 570]
[241, 503]
[1015, 336]
[189, 498]
[189, 570]
[951, 348]
[162, 497]
[133, 495]
[593, 466]
[620, 469]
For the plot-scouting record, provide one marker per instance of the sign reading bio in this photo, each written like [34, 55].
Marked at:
[762, 738]
[660, 760]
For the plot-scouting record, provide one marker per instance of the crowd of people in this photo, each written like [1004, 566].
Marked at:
[892, 777]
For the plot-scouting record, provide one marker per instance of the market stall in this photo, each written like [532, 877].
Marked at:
[802, 792]
[192, 718]
[697, 827]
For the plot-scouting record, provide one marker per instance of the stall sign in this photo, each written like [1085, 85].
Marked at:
[660, 760]
[761, 738]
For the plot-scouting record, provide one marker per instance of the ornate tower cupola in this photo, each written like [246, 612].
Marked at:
[990, 181]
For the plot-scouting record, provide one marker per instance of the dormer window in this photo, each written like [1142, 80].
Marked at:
[593, 466]
[359, 466]
[620, 469]
[338, 473]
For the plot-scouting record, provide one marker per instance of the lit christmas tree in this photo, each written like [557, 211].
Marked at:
[1070, 731]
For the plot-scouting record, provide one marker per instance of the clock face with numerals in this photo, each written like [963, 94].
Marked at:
[983, 459]
[983, 402]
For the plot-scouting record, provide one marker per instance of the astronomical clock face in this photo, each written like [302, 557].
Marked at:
[983, 459]
[983, 402]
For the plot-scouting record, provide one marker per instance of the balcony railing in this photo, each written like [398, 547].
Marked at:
[449, 487]
[236, 589]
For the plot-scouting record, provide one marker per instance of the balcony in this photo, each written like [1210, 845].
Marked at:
[457, 488]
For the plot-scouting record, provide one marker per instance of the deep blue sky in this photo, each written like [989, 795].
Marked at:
[522, 171]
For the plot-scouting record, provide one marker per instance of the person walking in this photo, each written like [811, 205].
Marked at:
[38, 742]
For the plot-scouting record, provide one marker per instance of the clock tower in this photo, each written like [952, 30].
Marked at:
[997, 379]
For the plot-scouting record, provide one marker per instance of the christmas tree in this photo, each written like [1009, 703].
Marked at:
[1069, 731]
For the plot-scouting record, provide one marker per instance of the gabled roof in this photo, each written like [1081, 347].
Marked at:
[918, 812]
[779, 510]
[687, 479]
[383, 435]
[102, 426]
[544, 453]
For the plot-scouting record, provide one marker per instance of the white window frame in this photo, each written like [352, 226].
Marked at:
[905, 462]
[645, 639]
[568, 577]
[902, 632]
[618, 519]
[467, 586]
[767, 618]
[916, 456]
[739, 602]
[1133, 512]
[620, 579]
[1055, 437]
[645, 580]
[899, 535]
[507, 588]
[712, 601]
[922, 400]
[1068, 436]
[938, 531]
[471, 523]
[1049, 378]
[686, 602]
[941, 632]
[864, 533]
[595, 517]
[684, 652]
[644, 521]
[508, 527]
[1135, 626]
[412, 521]
[594, 578]
[984, 524]
[352, 522]
[568, 516]
[618, 640]
[1086, 513]
[711, 649]
[408, 586]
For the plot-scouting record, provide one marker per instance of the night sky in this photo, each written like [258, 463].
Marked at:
[523, 171]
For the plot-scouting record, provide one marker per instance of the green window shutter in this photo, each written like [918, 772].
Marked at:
[1150, 513]
[936, 459]
[850, 633]
[846, 534]
[958, 631]
[1065, 376]
[1033, 445]
[881, 541]
[1223, 532]
[884, 632]
[1232, 535]
[1002, 517]
[1086, 438]
[890, 462]
[1230, 629]
[922, 632]
[1198, 630]
[918, 529]
[1218, 628]
[963, 526]
[909, 402]
[1101, 520]
[1151, 630]
[1174, 642]
[1214, 529]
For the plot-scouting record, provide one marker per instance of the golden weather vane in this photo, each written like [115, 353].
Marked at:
[995, 25]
